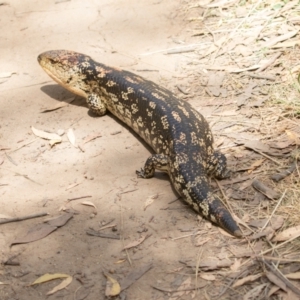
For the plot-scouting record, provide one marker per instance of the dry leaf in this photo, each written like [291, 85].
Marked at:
[236, 265]
[35, 233]
[281, 38]
[289, 5]
[238, 70]
[255, 165]
[293, 136]
[72, 185]
[257, 145]
[150, 200]
[61, 286]
[59, 105]
[71, 136]
[60, 220]
[295, 275]
[286, 44]
[112, 287]
[292, 232]
[246, 279]
[211, 264]
[200, 241]
[274, 279]
[254, 293]
[45, 135]
[53, 142]
[6, 74]
[133, 276]
[49, 277]
[246, 252]
[120, 261]
[273, 290]
[89, 203]
[186, 284]
[91, 137]
[135, 243]
[209, 277]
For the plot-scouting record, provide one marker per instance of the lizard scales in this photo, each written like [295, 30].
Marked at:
[179, 135]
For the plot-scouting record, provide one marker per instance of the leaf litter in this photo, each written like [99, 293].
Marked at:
[248, 58]
[40, 231]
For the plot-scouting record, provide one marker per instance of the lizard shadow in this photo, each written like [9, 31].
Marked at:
[59, 93]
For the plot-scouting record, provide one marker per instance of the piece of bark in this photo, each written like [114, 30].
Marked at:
[279, 176]
[271, 194]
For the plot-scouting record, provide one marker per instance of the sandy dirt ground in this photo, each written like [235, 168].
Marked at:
[36, 178]
[171, 249]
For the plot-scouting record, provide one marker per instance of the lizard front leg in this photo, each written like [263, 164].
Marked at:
[96, 105]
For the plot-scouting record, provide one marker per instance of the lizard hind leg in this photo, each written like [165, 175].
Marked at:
[217, 165]
[155, 161]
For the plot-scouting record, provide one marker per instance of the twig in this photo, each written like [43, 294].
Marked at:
[268, 77]
[129, 191]
[10, 159]
[174, 200]
[122, 234]
[23, 218]
[186, 235]
[23, 146]
[267, 156]
[279, 259]
[224, 196]
[103, 235]
[180, 48]
[230, 283]
[77, 198]
[199, 256]
[106, 223]
[166, 290]
[280, 245]
[107, 226]
[278, 203]
[276, 272]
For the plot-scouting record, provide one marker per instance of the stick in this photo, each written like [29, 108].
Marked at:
[77, 198]
[268, 77]
[102, 235]
[166, 290]
[278, 203]
[23, 218]
[276, 272]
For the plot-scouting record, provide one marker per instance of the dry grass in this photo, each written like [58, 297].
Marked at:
[254, 45]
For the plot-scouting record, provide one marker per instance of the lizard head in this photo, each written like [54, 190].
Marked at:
[67, 68]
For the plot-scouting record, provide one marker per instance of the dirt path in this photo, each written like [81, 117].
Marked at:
[37, 178]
